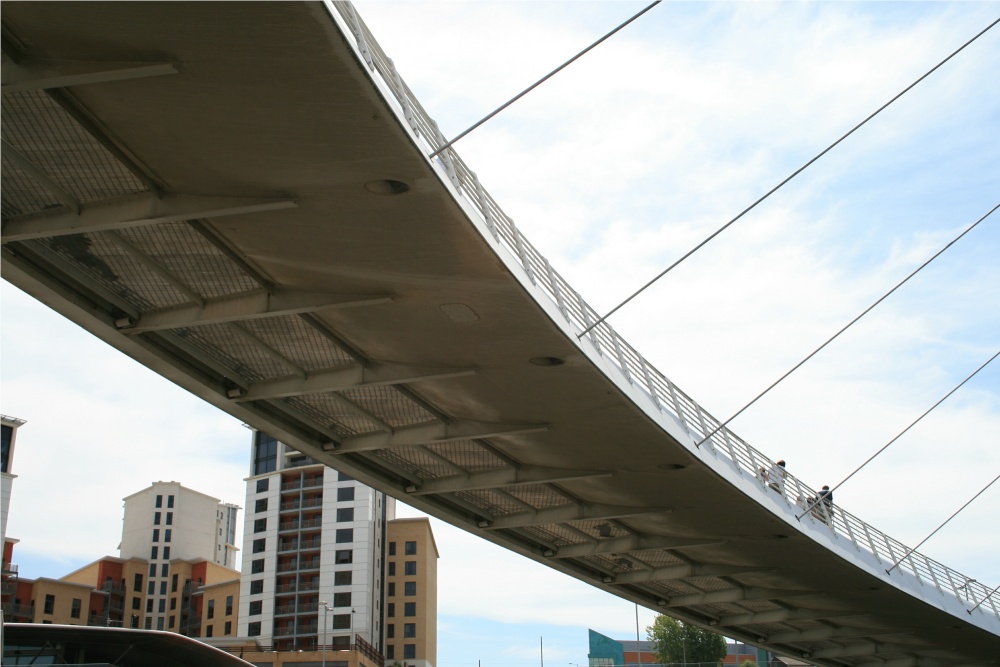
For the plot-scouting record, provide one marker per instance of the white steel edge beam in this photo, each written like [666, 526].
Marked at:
[134, 211]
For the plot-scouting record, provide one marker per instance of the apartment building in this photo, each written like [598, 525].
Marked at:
[313, 546]
[8, 437]
[411, 593]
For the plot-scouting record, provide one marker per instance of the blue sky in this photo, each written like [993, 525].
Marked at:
[614, 169]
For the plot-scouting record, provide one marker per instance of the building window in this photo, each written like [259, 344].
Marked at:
[257, 566]
[170, 518]
[392, 569]
[136, 603]
[164, 570]
[151, 588]
[343, 556]
[208, 631]
[391, 589]
[341, 621]
[342, 578]
[390, 610]
[166, 553]
[409, 651]
[260, 525]
[173, 604]
[342, 477]
[259, 545]
[149, 623]
[74, 611]
[166, 535]
[256, 587]
[345, 514]
[173, 584]
[260, 505]
[229, 606]
[229, 628]
[211, 609]
[159, 623]
[410, 568]
[265, 453]
[152, 570]
[341, 599]
[253, 629]
[410, 609]
[154, 553]
[390, 651]
[410, 588]
[159, 501]
[345, 493]
[162, 606]
[149, 606]
[170, 501]
[390, 631]
[255, 607]
[135, 621]
[137, 583]
[163, 588]
[345, 535]
[409, 629]
[263, 484]
[410, 549]
[392, 548]
[170, 622]
[156, 534]
[156, 518]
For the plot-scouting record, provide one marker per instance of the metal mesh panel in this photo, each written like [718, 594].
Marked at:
[672, 588]
[759, 605]
[613, 563]
[468, 455]
[23, 194]
[327, 410]
[415, 461]
[538, 496]
[659, 558]
[109, 265]
[182, 251]
[200, 339]
[255, 361]
[295, 339]
[389, 405]
[709, 583]
[52, 140]
[492, 502]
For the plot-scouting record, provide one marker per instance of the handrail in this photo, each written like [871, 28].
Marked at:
[635, 369]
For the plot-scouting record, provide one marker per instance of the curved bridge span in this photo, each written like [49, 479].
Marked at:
[239, 196]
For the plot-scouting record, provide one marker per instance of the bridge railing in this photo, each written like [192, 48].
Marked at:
[664, 394]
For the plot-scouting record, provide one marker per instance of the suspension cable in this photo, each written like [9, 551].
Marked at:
[847, 326]
[543, 80]
[943, 524]
[817, 500]
[779, 185]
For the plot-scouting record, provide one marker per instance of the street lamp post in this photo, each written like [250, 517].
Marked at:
[326, 608]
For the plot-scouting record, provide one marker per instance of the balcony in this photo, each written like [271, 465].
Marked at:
[285, 610]
[12, 613]
[112, 587]
[309, 564]
[10, 569]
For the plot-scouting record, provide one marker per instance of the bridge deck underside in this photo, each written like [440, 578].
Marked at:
[209, 217]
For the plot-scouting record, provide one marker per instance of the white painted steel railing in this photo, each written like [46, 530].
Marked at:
[633, 366]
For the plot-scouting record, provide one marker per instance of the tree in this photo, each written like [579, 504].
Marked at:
[677, 642]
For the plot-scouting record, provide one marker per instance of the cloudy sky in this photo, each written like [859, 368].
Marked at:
[614, 169]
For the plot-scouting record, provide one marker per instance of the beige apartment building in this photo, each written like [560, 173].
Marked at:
[411, 593]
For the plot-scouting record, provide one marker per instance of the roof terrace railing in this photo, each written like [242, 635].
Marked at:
[663, 393]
